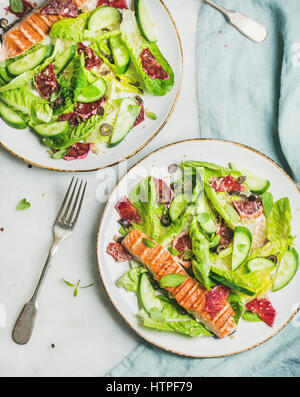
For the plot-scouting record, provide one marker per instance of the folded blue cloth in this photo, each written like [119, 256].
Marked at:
[248, 93]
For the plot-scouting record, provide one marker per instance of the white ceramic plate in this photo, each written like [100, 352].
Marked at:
[248, 335]
[27, 146]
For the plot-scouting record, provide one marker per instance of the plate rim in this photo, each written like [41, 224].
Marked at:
[135, 329]
[156, 132]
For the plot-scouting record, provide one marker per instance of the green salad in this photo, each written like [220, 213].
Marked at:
[223, 227]
[81, 87]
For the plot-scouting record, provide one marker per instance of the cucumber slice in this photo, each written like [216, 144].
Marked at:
[62, 61]
[249, 316]
[120, 54]
[147, 295]
[242, 241]
[256, 184]
[51, 130]
[287, 269]
[93, 92]
[257, 264]
[204, 214]
[145, 23]
[178, 204]
[127, 115]
[104, 17]
[30, 61]
[11, 117]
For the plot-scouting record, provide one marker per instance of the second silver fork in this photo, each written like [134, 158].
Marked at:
[63, 227]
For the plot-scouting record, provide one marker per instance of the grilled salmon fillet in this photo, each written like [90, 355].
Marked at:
[190, 294]
[31, 30]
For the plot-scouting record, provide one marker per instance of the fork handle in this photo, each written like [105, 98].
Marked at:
[24, 325]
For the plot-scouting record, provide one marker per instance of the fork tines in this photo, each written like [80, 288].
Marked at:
[71, 205]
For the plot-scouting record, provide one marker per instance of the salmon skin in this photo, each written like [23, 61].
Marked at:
[31, 30]
[190, 294]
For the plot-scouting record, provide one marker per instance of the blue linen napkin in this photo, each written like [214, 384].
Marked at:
[248, 93]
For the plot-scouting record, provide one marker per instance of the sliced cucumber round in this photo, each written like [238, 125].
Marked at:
[256, 184]
[62, 61]
[11, 117]
[103, 17]
[30, 61]
[120, 54]
[260, 263]
[287, 269]
[93, 92]
[178, 204]
[126, 117]
[147, 295]
[242, 241]
[204, 214]
[54, 129]
[145, 23]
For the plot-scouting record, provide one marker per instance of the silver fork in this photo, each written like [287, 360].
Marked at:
[63, 227]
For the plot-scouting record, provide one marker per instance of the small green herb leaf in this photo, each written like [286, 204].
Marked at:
[150, 115]
[156, 315]
[172, 280]
[75, 291]
[148, 243]
[16, 5]
[23, 205]
[68, 283]
[173, 251]
[267, 201]
[87, 286]
[188, 254]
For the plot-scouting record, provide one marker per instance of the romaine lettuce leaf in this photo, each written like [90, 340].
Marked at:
[24, 101]
[174, 321]
[237, 306]
[130, 280]
[279, 224]
[143, 197]
[136, 43]
[70, 28]
[201, 265]
[76, 134]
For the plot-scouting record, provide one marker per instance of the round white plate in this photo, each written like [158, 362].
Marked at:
[248, 334]
[27, 146]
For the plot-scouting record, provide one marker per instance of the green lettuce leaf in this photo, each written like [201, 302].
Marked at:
[143, 197]
[24, 101]
[136, 43]
[173, 320]
[76, 134]
[70, 28]
[130, 280]
[201, 265]
[237, 306]
[279, 225]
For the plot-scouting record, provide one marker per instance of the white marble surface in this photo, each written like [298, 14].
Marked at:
[90, 337]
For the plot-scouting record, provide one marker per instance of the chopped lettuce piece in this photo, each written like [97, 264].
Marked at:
[237, 306]
[70, 28]
[24, 101]
[136, 43]
[279, 224]
[130, 280]
[201, 265]
[143, 197]
[174, 321]
[76, 134]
